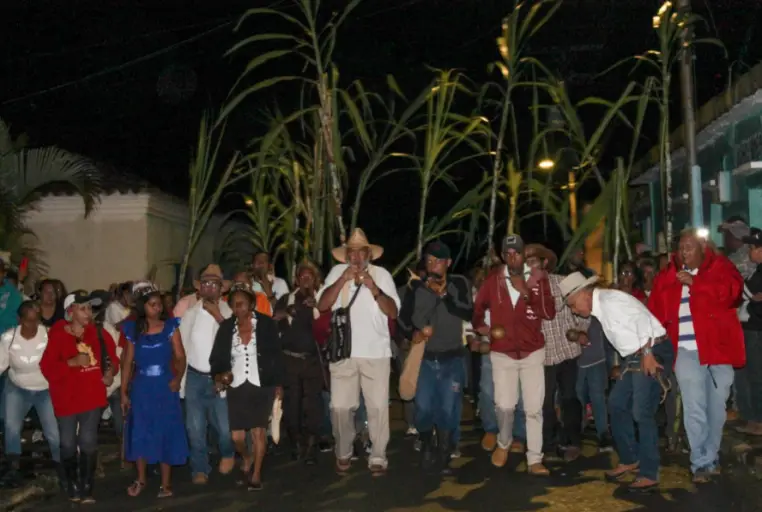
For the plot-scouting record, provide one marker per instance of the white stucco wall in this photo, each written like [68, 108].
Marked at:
[122, 239]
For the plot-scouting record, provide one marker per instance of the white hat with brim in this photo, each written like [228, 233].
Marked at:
[575, 282]
[357, 240]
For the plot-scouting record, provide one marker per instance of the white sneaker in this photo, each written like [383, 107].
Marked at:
[411, 431]
[455, 454]
[37, 437]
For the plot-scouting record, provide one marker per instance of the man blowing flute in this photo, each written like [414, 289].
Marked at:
[435, 311]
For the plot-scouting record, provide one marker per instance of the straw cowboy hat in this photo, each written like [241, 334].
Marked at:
[542, 252]
[357, 240]
[575, 282]
[213, 271]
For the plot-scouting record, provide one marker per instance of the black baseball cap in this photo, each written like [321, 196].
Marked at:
[81, 297]
[439, 250]
[754, 238]
[514, 242]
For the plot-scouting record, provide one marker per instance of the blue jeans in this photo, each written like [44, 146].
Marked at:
[705, 391]
[487, 405]
[748, 380]
[591, 388]
[635, 399]
[204, 406]
[439, 389]
[326, 430]
[18, 402]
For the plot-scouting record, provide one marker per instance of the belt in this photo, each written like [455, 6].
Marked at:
[443, 356]
[654, 342]
[298, 355]
[198, 372]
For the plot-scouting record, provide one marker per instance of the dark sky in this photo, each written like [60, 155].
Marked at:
[143, 117]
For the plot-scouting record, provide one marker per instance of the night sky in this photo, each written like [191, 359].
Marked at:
[67, 79]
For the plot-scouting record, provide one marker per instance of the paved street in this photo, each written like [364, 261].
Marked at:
[290, 486]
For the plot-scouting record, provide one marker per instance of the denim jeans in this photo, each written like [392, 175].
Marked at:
[326, 430]
[705, 391]
[748, 380]
[487, 405]
[18, 402]
[115, 403]
[635, 399]
[487, 397]
[204, 406]
[591, 388]
[79, 431]
[439, 389]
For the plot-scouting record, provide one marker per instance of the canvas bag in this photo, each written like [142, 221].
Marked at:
[339, 344]
[410, 371]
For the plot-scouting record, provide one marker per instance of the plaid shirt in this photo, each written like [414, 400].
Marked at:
[557, 348]
[743, 263]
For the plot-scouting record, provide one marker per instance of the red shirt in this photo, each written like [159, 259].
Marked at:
[74, 390]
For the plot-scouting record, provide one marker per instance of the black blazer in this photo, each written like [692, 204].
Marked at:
[269, 352]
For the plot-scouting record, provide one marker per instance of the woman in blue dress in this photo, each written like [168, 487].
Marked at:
[154, 431]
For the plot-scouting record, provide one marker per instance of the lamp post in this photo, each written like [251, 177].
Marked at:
[546, 164]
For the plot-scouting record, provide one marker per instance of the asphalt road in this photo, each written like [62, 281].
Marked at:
[476, 485]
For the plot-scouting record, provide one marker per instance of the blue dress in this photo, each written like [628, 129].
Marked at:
[154, 430]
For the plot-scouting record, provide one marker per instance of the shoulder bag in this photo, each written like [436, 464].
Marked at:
[339, 344]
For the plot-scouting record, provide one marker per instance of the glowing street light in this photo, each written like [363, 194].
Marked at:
[546, 164]
[702, 233]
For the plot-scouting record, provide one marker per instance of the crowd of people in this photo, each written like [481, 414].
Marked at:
[542, 350]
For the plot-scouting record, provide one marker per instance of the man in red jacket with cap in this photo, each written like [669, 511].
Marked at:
[518, 299]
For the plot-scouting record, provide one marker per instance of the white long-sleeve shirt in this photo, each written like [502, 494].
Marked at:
[21, 357]
[627, 322]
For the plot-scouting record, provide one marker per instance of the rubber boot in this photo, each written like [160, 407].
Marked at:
[296, 448]
[73, 490]
[88, 463]
[428, 454]
[444, 447]
[61, 474]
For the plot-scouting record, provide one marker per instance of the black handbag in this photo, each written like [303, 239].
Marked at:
[339, 344]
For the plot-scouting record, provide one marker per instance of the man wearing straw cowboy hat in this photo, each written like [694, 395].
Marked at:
[198, 328]
[371, 296]
[642, 342]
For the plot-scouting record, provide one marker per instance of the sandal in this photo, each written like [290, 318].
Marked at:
[619, 473]
[637, 487]
[165, 492]
[136, 488]
[343, 466]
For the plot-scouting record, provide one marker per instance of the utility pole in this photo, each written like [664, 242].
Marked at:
[689, 117]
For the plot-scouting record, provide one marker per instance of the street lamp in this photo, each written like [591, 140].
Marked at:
[546, 164]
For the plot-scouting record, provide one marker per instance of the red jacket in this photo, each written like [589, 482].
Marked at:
[76, 389]
[521, 323]
[715, 295]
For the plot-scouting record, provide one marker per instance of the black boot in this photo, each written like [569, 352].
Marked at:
[428, 455]
[296, 447]
[444, 447]
[310, 454]
[88, 462]
[61, 474]
[70, 468]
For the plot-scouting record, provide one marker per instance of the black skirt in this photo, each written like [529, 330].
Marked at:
[249, 406]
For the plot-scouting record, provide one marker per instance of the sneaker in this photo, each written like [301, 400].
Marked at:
[455, 454]
[605, 445]
[325, 446]
[411, 432]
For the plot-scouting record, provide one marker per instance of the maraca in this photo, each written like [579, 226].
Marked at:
[226, 378]
[572, 335]
[497, 332]
[427, 331]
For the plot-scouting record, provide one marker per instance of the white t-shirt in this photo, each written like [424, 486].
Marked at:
[370, 326]
[22, 358]
[279, 286]
[115, 313]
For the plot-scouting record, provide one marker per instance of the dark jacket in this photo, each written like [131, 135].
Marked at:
[522, 322]
[754, 284]
[269, 352]
[714, 298]
[421, 307]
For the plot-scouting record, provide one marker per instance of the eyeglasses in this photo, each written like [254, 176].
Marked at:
[626, 273]
[211, 283]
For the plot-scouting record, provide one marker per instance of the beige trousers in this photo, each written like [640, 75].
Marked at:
[348, 378]
[528, 375]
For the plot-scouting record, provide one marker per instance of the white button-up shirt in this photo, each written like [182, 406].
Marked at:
[244, 367]
[627, 322]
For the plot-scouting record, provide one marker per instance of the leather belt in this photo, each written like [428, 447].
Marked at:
[298, 355]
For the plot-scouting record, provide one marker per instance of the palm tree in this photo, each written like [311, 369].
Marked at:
[26, 174]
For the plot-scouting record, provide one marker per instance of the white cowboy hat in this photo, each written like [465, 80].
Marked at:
[357, 240]
[575, 282]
